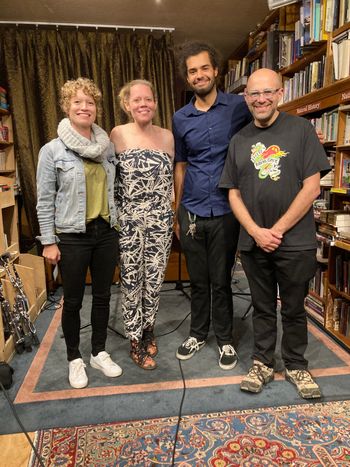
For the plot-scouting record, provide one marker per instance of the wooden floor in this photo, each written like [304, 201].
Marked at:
[15, 450]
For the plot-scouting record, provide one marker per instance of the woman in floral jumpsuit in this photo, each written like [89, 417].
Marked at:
[145, 155]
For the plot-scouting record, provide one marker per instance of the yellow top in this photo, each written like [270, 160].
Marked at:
[96, 191]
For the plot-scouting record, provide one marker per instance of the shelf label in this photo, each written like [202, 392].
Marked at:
[339, 190]
[345, 96]
[309, 108]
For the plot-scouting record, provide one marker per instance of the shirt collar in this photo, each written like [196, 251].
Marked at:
[190, 109]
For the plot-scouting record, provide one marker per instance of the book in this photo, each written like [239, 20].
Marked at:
[341, 19]
[338, 272]
[344, 58]
[341, 55]
[329, 311]
[329, 15]
[305, 19]
[336, 313]
[272, 50]
[347, 129]
[345, 171]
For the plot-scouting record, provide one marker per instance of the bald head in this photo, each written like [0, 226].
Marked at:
[262, 95]
[264, 78]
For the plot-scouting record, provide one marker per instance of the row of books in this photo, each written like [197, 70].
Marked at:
[267, 59]
[3, 98]
[341, 55]
[317, 283]
[328, 124]
[330, 229]
[336, 217]
[322, 251]
[236, 70]
[313, 19]
[304, 81]
[341, 316]
[315, 307]
[344, 170]
[345, 138]
[327, 181]
[289, 50]
[333, 232]
[337, 13]
[311, 27]
[319, 17]
[342, 273]
[281, 51]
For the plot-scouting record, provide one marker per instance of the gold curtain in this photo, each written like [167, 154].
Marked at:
[35, 64]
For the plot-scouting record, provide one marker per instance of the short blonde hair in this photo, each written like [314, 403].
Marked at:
[71, 87]
[124, 94]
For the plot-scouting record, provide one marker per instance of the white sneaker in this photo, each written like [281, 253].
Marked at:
[103, 362]
[77, 374]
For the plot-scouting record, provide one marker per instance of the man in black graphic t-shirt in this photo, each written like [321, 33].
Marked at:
[272, 172]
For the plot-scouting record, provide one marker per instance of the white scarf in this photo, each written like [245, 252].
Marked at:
[83, 146]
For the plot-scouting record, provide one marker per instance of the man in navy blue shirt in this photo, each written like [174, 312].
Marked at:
[205, 225]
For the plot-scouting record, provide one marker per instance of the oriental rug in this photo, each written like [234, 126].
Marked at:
[314, 434]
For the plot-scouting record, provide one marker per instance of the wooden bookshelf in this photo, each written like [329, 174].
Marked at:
[332, 95]
[305, 60]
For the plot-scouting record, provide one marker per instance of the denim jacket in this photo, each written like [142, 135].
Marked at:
[61, 190]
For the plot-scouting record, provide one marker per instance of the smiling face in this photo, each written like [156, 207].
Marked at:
[81, 111]
[262, 95]
[201, 75]
[141, 103]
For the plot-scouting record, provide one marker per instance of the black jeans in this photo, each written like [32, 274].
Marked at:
[210, 257]
[96, 249]
[291, 271]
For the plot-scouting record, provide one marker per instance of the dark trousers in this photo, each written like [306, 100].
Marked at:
[96, 249]
[291, 272]
[209, 258]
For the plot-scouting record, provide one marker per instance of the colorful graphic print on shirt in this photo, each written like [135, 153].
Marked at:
[267, 160]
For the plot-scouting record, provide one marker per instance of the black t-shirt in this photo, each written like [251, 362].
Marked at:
[268, 166]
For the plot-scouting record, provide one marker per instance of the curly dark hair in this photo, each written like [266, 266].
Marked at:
[191, 48]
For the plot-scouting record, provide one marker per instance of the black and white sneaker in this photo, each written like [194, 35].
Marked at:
[189, 347]
[228, 357]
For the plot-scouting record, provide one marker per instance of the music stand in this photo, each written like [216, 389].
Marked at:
[240, 293]
[111, 328]
[179, 282]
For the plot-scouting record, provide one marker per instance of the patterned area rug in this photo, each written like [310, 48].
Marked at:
[304, 435]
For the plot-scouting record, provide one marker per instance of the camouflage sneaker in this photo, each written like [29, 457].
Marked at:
[258, 375]
[306, 386]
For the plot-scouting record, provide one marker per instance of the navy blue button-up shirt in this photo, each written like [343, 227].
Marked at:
[201, 140]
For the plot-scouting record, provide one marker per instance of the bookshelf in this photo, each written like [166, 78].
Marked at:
[29, 267]
[328, 104]
[7, 153]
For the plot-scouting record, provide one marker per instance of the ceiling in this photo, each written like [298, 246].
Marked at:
[224, 23]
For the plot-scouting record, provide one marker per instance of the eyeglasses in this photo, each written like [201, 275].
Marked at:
[267, 93]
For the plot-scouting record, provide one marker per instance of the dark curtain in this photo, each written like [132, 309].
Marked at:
[35, 64]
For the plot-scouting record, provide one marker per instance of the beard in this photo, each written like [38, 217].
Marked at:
[263, 118]
[203, 91]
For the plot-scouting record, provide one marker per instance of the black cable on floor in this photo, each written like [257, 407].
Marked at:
[177, 327]
[179, 415]
[51, 300]
[12, 407]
